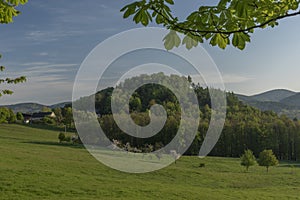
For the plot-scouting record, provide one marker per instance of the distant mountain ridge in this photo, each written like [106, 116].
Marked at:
[274, 95]
[33, 107]
[281, 101]
[292, 100]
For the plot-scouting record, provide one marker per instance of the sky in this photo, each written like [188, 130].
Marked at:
[51, 38]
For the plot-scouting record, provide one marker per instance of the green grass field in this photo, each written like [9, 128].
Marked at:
[34, 166]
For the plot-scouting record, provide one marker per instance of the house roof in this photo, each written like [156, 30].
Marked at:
[41, 114]
[26, 115]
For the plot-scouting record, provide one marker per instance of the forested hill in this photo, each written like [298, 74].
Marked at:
[281, 101]
[246, 127]
[33, 107]
[276, 95]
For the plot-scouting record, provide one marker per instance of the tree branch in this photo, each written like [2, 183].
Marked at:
[196, 32]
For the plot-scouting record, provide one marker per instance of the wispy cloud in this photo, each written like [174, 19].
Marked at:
[50, 71]
[51, 35]
[214, 78]
[35, 63]
[43, 54]
[47, 66]
[235, 78]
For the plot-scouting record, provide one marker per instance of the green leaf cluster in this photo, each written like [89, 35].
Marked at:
[228, 22]
[17, 80]
[8, 10]
[7, 115]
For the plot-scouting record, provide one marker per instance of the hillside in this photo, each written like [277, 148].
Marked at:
[277, 107]
[32, 107]
[34, 165]
[273, 95]
[283, 102]
[242, 121]
[293, 100]
[26, 107]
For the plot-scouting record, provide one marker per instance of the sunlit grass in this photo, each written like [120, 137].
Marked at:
[34, 166]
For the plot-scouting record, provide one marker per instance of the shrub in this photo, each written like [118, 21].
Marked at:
[61, 137]
[67, 139]
[48, 120]
[20, 116]
[202, 165]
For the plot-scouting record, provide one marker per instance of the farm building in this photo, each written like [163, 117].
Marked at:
[28, 118]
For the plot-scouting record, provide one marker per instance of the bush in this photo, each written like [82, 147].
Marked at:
[7, 115]
[202, 165]
[48, 120]
[20, 116]
[61, 137]
[67, 139]
[76, 140]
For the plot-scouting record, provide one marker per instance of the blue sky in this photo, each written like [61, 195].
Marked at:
[51, 38]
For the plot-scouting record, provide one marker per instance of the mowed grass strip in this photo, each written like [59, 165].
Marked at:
[33, 165]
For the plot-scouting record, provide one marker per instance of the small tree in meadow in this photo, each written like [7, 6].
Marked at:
[248, 159]
[267, 159]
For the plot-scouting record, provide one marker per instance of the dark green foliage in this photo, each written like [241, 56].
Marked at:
[67, 115]
[7, 115]
[67, 139]
[103, 101]
[245, 127]
[48, 120]
[20, 116]
[58, 115]
[201, 165]
[76, 140]
[267, 159]
[61, 137]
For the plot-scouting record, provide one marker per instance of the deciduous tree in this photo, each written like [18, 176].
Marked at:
[267, 159]
[228, 22]
[8, 11]
[248, 159]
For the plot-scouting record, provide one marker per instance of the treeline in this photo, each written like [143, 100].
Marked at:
[245, 127]
[63, 117]
[249, 128]
[8, 116]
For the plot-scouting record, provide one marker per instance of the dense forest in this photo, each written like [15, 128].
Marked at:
[245, 128]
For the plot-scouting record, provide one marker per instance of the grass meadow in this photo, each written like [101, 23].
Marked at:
[33, 165]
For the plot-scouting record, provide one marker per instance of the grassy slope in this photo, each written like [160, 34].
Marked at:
[34, 166]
